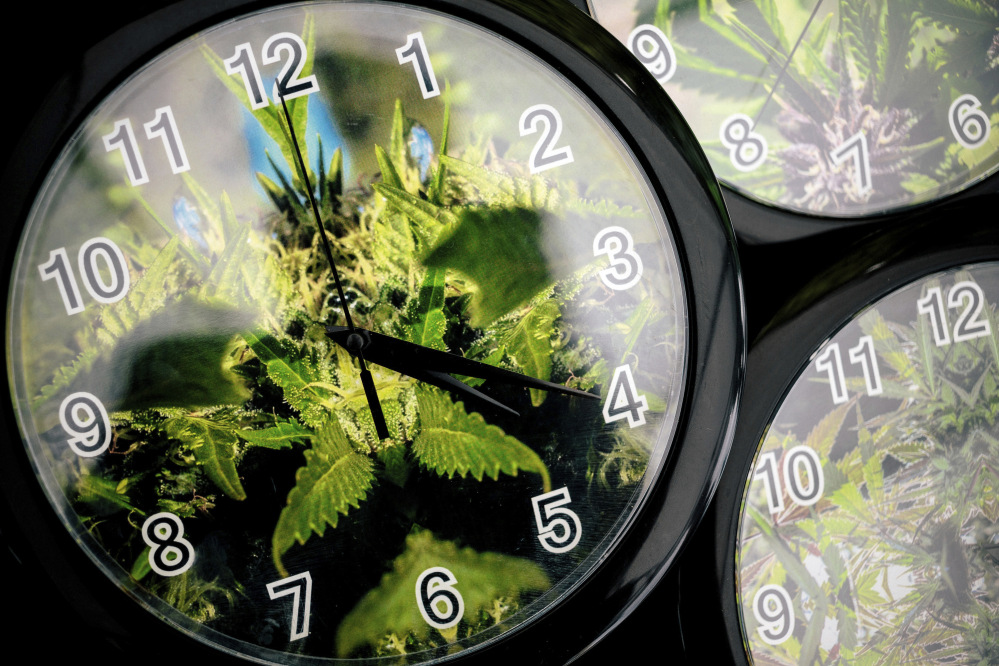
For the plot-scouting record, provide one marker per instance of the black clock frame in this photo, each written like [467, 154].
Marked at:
[69, 608]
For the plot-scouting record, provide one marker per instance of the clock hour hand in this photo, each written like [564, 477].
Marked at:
[412, 359]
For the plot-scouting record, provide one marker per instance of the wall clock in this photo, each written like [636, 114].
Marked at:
[856, 520]
[358, 332]
[832, 109]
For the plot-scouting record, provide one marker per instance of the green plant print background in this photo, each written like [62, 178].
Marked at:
[918, 80]
[230, 409]
[870, 529]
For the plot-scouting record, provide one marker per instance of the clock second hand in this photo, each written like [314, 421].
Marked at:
[355, 342]
[787, 62]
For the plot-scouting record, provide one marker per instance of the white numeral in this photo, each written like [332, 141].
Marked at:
[623, 399]
[652, 48]
[440, 603]
[299, 587]
[545, 155]
[626, 266]
[855, 148]
[415, 51]
[162, 126]
[803, 477]
[831, 362]
[773, 610]
[170, 554]
[559, 528]
[84, 418]
[746, 149]
[93, 253]
[968, 123]
[289, 82]
[970, 323]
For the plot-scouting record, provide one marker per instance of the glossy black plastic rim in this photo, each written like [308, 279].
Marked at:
[868, 267]
[654, 130]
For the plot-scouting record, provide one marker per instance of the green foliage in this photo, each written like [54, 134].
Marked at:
[907, 520]
[500, 251]
[452, 442]
[873, 66]
[334, 479]
[215, 445]
[226, 376]
[389, 609]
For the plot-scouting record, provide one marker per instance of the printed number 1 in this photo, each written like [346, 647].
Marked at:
[415, 51]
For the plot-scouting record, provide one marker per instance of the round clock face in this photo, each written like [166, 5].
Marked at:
[828, 108]
[356, 330]
[870, 521]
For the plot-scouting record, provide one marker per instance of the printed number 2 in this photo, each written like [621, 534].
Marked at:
[970, 323]
[545, 155]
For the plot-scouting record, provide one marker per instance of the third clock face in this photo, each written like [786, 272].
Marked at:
[823, 107]
[870, 523]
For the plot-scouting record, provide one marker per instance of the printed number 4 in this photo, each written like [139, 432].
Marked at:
[623, 399]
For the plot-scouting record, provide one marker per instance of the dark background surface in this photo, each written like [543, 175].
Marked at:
[47, 41]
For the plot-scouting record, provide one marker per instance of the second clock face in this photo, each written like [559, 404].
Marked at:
[212, 444]
[823, 107]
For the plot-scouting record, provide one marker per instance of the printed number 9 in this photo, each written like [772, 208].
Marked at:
[653, 49]
[83, 417]
[772, 609]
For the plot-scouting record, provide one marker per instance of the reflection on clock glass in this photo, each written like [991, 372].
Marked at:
[870, 527]
[830, 107]
[275, 477]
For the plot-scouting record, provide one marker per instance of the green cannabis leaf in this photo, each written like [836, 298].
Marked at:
[482, 579]
[334, 479]
[215, 444]
[501, 252]
[453, 442]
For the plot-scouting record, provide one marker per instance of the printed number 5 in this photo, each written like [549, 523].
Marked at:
[557, 535]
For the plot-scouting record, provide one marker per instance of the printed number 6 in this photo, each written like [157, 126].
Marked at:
[435, 587]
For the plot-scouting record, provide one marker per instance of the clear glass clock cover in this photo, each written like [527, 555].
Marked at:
[870, 525]
[828, 108]
[215, 452]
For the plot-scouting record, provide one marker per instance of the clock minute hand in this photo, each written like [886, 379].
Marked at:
[412, 359]
[352, 342]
